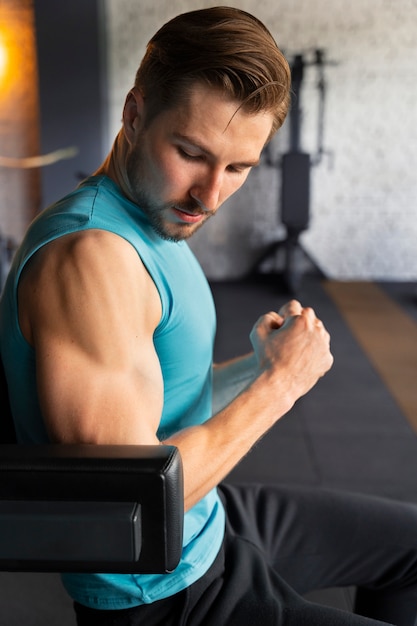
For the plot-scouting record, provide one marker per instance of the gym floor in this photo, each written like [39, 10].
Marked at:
[353, 431]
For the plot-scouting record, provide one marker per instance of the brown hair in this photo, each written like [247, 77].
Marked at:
[224, 47]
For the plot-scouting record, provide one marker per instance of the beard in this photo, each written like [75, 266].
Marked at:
[155, 210]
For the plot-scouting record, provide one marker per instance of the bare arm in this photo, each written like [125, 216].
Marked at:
[230, 378]
[90, 309]
[292, 351]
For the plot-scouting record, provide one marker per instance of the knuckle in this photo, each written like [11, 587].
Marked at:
[309, 312]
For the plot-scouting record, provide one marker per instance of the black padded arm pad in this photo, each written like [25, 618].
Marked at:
[90, 508]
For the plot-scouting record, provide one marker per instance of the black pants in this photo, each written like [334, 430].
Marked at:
[281, 542]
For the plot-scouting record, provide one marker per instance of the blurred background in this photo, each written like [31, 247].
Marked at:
[358, 123]
[341, 213]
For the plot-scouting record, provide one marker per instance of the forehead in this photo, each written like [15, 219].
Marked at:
[214, 119]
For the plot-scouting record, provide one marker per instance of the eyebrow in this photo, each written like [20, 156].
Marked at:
[196, 144]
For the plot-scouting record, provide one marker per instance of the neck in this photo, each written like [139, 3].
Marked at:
[114, 164]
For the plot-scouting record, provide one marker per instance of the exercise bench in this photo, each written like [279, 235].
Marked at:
[87, 508]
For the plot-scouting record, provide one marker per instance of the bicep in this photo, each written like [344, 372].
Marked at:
[85, 399]
[91, 319]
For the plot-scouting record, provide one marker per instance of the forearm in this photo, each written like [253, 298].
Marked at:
[230, 378]
[210, 451]
[289, 359]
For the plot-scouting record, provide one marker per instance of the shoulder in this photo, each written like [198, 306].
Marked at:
[87, 245]
[95, 267]
[89, 254]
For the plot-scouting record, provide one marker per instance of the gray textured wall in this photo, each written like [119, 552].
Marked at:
[364, 217]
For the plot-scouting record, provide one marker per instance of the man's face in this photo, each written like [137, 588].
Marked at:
[190, 159]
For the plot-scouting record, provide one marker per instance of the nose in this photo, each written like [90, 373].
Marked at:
[208, 192]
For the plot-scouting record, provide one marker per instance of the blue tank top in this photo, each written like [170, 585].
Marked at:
[184, 343]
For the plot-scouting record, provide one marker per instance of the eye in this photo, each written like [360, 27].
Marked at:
[188, 156]
[238, 169]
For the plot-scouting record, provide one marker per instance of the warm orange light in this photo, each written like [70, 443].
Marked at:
[19, 115]
[16, 46]
[3, 59]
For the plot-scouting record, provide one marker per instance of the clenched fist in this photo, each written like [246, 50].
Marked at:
[294, 346]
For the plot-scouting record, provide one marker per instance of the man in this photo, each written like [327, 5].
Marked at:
[107, 323]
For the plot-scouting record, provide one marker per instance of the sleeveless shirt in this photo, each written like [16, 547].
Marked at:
[183, 342]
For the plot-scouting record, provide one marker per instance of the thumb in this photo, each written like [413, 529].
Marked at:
[266, 324]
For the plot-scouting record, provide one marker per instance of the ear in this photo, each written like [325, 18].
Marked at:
[133, 114]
